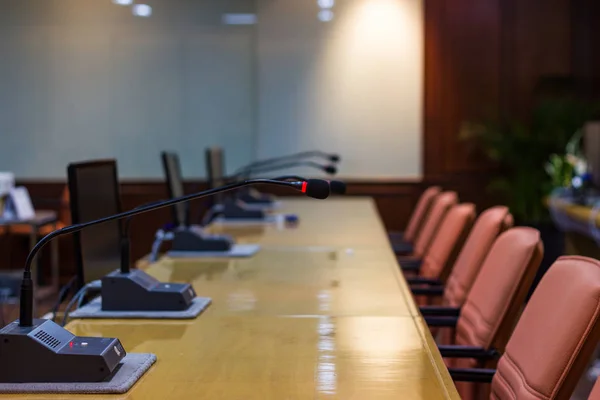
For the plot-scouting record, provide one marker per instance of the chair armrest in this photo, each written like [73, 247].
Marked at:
[482, 375]
[397, 236]
[437, 311]
[427, 291]
[454, 351]
[448, 322]
[409, 264]
[418, 280]
[402, 248]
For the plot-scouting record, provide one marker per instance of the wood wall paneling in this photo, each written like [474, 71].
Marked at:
[482, 58]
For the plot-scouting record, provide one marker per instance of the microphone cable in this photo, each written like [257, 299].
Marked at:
[62, 296]
[78, 298]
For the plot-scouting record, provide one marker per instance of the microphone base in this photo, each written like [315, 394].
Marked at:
[232, 210]
[192, 240]
[47, 352]
[254, 197]
[138, 291]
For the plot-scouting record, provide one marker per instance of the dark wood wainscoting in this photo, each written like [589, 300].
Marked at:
[395, 201]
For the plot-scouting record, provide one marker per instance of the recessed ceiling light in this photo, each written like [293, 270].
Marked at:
[142, 10]
[326, 3]
[123, 2]
[325, 15]
[239, 19]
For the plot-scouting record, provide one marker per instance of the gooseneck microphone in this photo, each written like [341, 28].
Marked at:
[329, 169]
[336, 187]
[334, 158]
[39, 350]
[315, 188]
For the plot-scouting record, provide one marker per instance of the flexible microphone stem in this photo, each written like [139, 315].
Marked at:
[26, 298]
[325, 168]
[303, 154]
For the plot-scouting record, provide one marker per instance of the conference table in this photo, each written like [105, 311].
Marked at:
[321, 311]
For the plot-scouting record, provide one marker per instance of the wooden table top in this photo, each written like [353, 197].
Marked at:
[322, 311]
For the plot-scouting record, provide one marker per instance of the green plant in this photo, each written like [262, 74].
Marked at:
[522, 151]
[564, 167]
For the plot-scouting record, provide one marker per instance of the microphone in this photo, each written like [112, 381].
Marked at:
[337, 187]
[334, 158]
[38, 350]
[329, 169]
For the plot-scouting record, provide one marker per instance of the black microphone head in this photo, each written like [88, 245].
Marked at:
[334, 158]
[330, 169]
[337, 187]
[316, 188]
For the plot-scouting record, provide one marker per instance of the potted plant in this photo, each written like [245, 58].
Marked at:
[521, 151]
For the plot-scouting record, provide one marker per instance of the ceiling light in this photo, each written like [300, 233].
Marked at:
[239, 19]
[123, 2]
[325, 15]
[142, 10]
[326, 3]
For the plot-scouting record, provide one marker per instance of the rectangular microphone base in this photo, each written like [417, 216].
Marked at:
[275, 205]
[125, 375]
[267, 220]
[237, 251]
[47, 352]
[138, 291]
[94, 310]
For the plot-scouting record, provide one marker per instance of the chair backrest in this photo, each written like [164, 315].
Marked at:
[555, 336]
[94, 193]
[420, 212]
[175, 188]
[491, 223]
[440, 206]
[595, 394]
[448, 240]
[493, 304]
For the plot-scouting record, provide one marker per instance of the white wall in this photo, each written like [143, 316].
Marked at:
[84, 79]
[353, 85]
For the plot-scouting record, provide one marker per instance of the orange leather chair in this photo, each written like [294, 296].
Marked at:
[491, 223]
[554, 339]
[448, 241]
[492, 307]
[441, 204]
[403, 241]
[595, 394]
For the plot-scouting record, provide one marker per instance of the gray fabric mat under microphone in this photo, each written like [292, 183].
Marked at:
[94, 310]
[131, 369]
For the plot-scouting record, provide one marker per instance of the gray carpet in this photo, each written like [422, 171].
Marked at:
[94, 310]
[132, 368]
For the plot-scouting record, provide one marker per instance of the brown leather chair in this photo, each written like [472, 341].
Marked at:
[448, 241]
[595, 394]
[492, 307]
[441, 204]
[491, 223]
[554, 338]
[403, 241]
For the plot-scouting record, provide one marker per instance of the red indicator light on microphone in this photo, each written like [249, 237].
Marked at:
[304, 187]
[71, 344]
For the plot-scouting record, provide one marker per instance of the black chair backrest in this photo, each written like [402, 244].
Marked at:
[94, 193]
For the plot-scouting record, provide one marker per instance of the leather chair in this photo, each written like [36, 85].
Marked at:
[554, 339]
[402, 242]
[441, 204]
[491, 223]
[595, 394]
[448, 241]
[492, 307]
